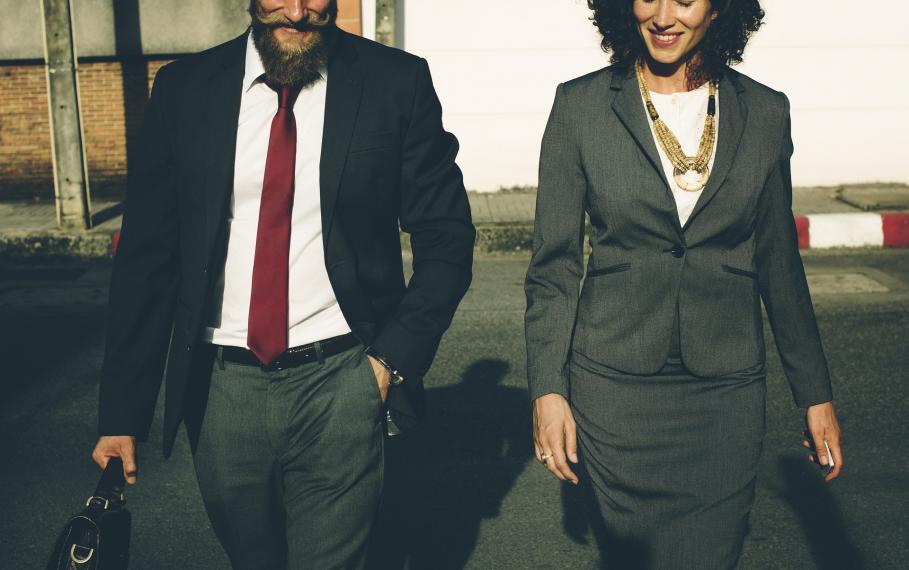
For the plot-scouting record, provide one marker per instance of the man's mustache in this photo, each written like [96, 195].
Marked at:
[310, 20]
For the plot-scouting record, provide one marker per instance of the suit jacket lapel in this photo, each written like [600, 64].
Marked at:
[222, 115]
[733, 116]
[341, 108]
[629, 107]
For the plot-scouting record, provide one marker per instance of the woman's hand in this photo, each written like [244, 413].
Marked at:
[822, 426]
[554, 435]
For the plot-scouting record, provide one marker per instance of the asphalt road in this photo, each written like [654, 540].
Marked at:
[465, 492]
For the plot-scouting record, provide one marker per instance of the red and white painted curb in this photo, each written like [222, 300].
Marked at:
[824, 231]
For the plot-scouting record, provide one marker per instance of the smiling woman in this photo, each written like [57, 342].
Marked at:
[622, 24]
[648, 378]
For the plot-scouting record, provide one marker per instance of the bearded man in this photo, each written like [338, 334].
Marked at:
[261, 239]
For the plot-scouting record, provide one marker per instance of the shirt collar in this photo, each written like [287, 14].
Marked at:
[254, 68]
[255, 71]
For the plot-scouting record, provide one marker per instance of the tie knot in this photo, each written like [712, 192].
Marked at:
[287, 94]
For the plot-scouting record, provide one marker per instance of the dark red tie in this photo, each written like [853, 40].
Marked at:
[268, 310]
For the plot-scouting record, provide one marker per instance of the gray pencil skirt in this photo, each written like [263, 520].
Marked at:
[672, 460]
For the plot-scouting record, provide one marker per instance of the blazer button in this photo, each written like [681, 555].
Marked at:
[677, 251]
[188, 348]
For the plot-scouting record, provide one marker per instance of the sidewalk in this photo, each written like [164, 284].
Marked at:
[870, 215]
[29, 230]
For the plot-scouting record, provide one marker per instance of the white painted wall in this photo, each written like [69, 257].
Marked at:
[368, 18]
[496, 65]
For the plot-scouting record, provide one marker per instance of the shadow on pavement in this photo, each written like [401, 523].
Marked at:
[107, 214]
[805, 493]
[825, 530]
[444, 480]
[31, 345]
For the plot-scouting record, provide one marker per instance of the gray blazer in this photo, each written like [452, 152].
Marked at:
[739, 246]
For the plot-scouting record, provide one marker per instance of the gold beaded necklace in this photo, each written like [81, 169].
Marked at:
[683, 164]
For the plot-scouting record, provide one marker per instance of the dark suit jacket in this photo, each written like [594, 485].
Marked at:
[738, 247]
[386, 161]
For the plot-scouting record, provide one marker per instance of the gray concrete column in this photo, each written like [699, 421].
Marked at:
[67, 141]
[386, 22]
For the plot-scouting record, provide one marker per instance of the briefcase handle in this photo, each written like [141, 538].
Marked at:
[110, 486]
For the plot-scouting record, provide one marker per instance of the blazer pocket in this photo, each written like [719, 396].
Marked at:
[611, 269]
[737, 271]
[383, 140]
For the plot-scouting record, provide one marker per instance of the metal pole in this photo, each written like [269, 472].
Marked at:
[385, 22]
[70, 174]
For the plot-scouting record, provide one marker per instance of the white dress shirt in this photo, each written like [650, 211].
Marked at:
[684, 113]
[314, 313]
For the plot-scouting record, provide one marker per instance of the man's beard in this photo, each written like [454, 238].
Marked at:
[290, 63]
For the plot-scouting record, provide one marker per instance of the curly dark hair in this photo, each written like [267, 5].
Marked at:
[722, 46]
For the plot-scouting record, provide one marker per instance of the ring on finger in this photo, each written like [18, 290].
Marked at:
[545, 457]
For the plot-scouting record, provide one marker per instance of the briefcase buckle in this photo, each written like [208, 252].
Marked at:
[80, 559]
[106, 503]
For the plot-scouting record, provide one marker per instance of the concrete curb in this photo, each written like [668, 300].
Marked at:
[502, 237]
[815, 231]
[53, 244]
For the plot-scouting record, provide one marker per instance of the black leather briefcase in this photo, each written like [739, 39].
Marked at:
[98, 537]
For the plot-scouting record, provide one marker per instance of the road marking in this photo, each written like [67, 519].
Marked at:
[840, 283]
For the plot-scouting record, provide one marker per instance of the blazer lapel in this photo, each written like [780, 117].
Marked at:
[629, 107]
[222, 115]
[341, 107]
[733, 116]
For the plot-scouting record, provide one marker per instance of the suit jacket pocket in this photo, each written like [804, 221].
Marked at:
[608, 270]
[382, 140]
[737, 271]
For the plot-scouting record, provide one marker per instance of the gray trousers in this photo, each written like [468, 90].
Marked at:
[290, 463]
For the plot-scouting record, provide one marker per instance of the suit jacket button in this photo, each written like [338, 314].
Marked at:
[677, 251]
[188, 348]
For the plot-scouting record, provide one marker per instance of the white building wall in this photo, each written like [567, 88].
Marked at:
[368, 17]
[496, 65]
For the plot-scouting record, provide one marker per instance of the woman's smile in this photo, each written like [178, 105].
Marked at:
[664, 39]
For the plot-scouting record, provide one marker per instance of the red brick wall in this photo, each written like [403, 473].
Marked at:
[25, 156]
[26, 171]
[349, 16]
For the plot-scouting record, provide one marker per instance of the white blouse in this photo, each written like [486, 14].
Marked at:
[684, 113]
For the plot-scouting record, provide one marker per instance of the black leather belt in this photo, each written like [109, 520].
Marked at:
[295, 356]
